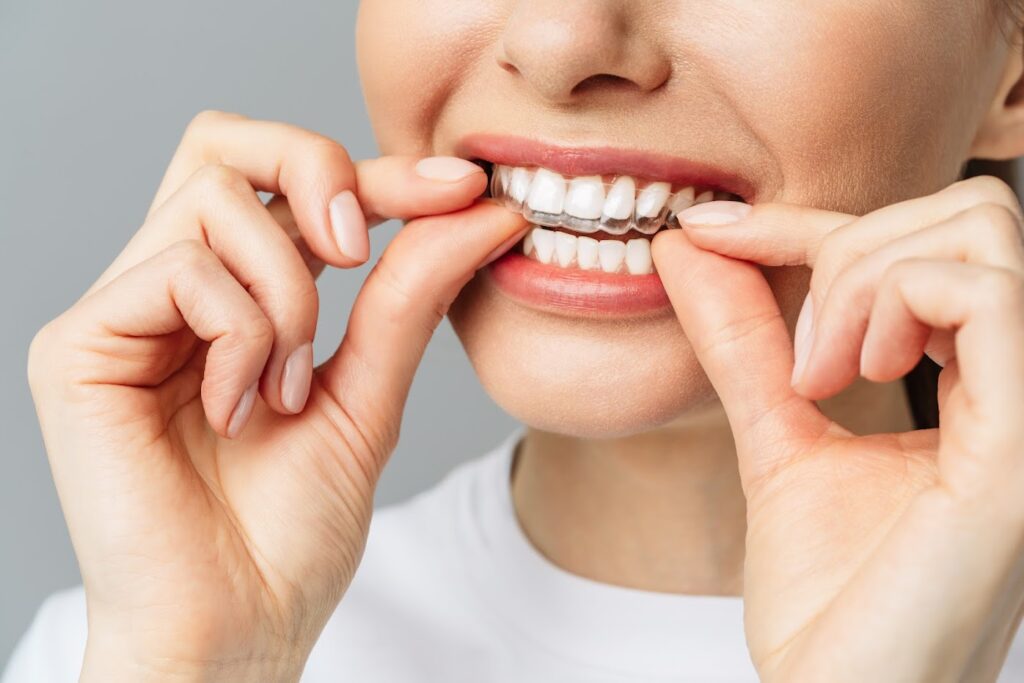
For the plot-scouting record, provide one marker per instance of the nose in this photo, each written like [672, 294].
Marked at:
[566, 48]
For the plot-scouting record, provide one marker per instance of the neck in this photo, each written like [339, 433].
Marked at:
[663, 510]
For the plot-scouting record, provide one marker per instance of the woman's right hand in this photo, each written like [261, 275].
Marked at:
[218, 489]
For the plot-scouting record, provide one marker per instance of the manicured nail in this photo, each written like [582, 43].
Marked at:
[803, 336]
[714, 213]
[242, 411]
[505, 247]
[446, 169]
[349, 226]
[296, 378]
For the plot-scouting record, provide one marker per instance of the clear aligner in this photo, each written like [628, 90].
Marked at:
[591, 204]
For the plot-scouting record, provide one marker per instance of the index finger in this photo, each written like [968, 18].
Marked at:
[316, 175]
[771, 234]
[776, 234]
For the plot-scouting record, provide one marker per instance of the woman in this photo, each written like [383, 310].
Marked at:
[218, 488]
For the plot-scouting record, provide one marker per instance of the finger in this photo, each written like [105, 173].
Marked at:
[783, 234]
[984, 306]
[330, 196]
[731, 317]
[217, 206]
[283, 216]
[183, 287]
[400, 305]
[986, 234]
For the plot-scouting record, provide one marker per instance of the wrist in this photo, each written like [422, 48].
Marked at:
[117, 663]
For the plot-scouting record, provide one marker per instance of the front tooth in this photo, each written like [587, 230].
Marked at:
[585, 198]
[638, 257]
[528, 243]
[586, 253]
[547, 193]
[611, 254]
[681, 201]
[703, 197]
[652, 200]
[519, 184]
[565, 249]
[544, 243]
[618, 205]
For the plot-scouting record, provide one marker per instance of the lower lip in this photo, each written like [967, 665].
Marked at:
[574, 292]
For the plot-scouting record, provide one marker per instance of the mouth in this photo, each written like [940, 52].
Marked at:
[594, 212]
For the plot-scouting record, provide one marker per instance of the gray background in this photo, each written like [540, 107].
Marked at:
[93, 99]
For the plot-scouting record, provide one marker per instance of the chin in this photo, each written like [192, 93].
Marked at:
[586, 377]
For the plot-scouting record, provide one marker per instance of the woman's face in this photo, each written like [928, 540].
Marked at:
[831, 103]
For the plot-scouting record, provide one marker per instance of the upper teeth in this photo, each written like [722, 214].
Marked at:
[589, 204]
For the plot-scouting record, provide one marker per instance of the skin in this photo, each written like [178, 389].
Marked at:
[138, 385]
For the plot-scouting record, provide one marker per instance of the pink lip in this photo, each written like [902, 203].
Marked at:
[577, 161]
[575, 292]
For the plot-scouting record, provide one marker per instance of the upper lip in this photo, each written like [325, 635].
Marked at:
[597, 160]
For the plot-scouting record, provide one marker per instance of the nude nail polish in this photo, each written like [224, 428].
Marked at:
[242, 411]
[296, 378]
[349, 226]
[803, 336]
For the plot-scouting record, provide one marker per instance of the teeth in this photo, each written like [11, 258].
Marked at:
[611, 254]
[547, 193]
[638, 257]
[618, 205]
[544, 243]
[681, 201]
[553, 247]
[519, 185]
[565, 249]
[586, 253]
[590, 204]
[585, 198]
[652, 200]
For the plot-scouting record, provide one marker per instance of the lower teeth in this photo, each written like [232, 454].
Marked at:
[558, 248]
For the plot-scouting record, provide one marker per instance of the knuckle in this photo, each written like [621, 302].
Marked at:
[259, 331]
[196, 130]
[39, 354]
[1001, 219]
[1002, 289]
[320, 150]
[189, 254]
[221, 179]
[987, 189]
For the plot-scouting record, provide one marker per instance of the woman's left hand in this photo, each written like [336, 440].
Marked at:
[891, 557]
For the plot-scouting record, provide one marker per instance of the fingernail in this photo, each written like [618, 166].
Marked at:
[296, 378]
[504, 248]
[242, 411]
[446, 169]
[803, 336]
[349, 226]
[714, 213]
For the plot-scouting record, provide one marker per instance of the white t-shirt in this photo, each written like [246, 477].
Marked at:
[450, 590]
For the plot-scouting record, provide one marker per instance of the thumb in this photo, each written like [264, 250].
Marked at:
[402, 302]
[733, 323]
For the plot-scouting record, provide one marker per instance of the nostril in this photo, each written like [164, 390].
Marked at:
[602, 82]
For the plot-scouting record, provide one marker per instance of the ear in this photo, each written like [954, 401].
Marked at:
[1001, 136]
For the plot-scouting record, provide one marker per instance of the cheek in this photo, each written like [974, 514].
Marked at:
[877, 112]
[412, 55]
[586, 378]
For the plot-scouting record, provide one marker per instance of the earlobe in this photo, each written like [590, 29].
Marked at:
[1001, 136]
